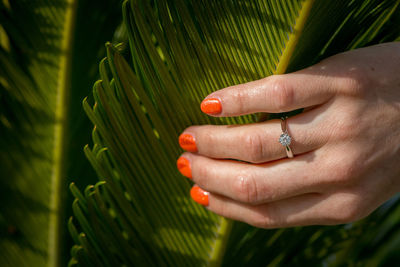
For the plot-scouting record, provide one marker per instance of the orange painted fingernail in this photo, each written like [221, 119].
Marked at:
[199, 195]
[183, 165]
[211, 106]
[187, 142]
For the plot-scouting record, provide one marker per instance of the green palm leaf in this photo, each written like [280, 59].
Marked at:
[180, 51]
[42, 81]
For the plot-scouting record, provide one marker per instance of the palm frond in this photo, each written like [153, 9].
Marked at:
[180, 51]
[39, 82]
[30, 70]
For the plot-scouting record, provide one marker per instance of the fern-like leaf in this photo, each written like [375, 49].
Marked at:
[180, 51]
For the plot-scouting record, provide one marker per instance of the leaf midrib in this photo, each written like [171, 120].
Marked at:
[60, 138]
[294, 37]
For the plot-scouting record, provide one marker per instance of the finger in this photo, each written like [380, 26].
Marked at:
[273, 94]
[297, 211]
[256, 183]
[258, 142]
[307, 209]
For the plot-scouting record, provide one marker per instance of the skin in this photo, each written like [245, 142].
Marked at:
[346, 143]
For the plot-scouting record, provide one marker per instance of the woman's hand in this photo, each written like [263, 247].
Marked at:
[346, 144]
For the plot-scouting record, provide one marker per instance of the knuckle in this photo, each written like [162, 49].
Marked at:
[202, 176]
[207, 137]
[345, 128]
[267, 219]
[338, 178]
[240, 99]
[253, 146]
[222, 209]
[346, 172]
[260, 221]
[347, 214]
[244, 188]
[346, 210]
[355, 82]
[282, 93]
[350, 170]
[350, 215]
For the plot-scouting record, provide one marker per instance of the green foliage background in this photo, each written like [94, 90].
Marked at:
[173, 53]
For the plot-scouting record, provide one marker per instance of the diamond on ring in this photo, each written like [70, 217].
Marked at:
[285, 139]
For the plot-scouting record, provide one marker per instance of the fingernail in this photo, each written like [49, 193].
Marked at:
[211, 106]
[199, 195]
[183, 165]
[187, 142]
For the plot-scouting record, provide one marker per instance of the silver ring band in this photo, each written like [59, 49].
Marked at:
[285, 139]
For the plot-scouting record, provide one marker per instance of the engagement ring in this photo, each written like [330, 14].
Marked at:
[285, 138]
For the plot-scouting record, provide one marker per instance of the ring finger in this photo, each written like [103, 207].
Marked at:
[257, 142]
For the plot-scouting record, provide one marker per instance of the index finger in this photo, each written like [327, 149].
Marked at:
[273, 94]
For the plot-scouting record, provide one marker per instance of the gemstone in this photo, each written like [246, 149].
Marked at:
[285, 139]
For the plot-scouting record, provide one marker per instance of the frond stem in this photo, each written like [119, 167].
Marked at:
[60, 138]
[294, 37]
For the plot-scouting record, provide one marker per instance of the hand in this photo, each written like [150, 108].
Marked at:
[346, 144]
